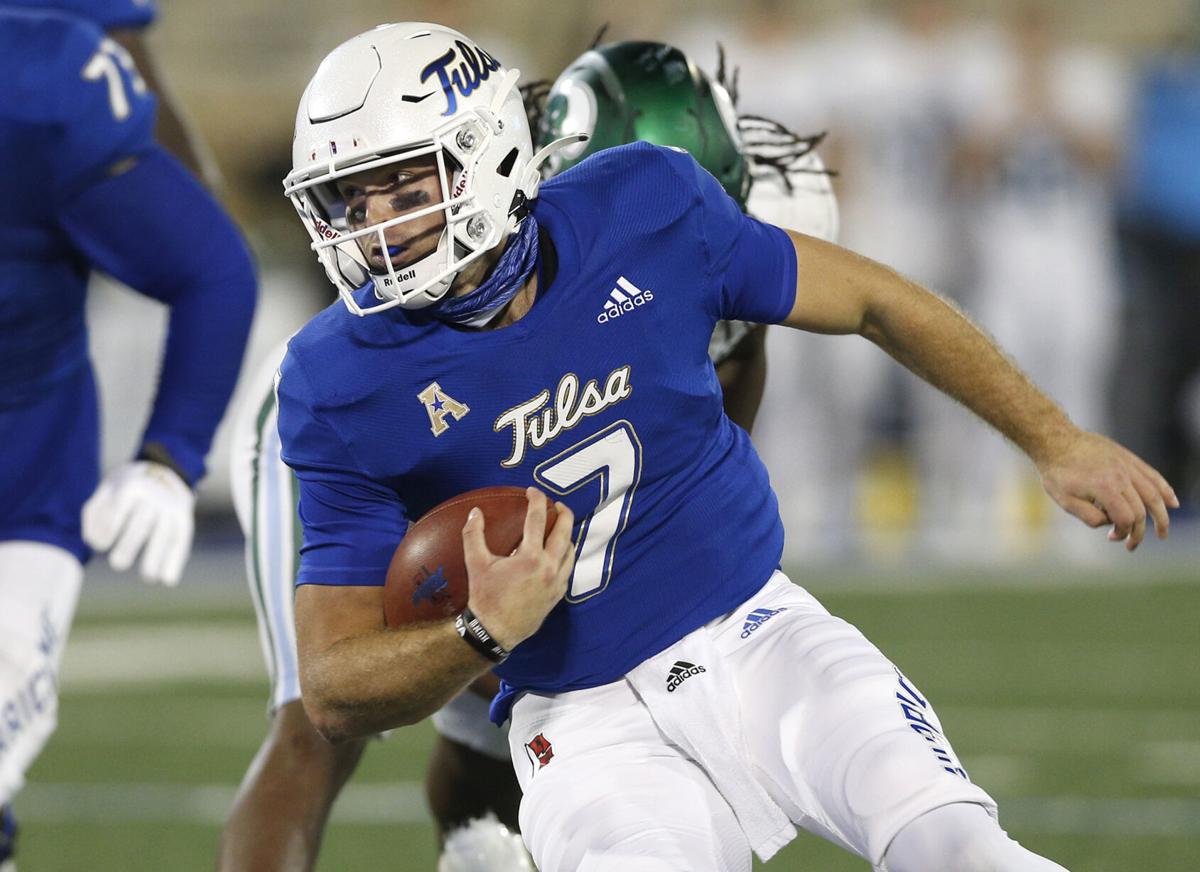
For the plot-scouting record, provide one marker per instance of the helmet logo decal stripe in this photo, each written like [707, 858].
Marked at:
[475, 67]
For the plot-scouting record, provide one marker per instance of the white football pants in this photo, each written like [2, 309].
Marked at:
[822, 731]
[39, 589]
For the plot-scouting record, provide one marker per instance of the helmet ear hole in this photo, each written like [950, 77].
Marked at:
[506, 166]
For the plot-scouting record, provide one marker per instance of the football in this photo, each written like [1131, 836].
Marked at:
[427, 578]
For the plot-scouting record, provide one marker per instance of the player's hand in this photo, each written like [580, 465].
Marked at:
[142, 507]
[1101, 482]
[511, 595]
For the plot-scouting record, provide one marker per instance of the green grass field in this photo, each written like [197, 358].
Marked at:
[1077, 705]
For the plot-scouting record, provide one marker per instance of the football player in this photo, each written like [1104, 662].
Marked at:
[126, 22]
[645, 91]
[96, 192]
[675, 702]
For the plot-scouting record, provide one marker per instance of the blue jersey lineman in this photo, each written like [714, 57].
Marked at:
[675, 701]
[90, 189]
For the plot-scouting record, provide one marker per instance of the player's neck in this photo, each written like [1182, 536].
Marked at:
[518, 307]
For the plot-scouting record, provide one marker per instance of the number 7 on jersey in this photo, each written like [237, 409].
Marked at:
[613, 458]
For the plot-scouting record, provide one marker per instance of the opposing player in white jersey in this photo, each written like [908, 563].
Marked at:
[97, 192]
[675, 701]
[297, 775]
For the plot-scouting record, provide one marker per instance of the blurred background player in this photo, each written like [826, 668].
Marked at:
[126, 22]
[1039, 153]
[97, 192]
[615, 93]
[885, 79]
[1158, 364]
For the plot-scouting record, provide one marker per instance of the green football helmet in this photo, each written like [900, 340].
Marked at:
[628, 91]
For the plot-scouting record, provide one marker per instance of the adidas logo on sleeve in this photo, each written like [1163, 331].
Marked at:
[681, 672]
[625, 297]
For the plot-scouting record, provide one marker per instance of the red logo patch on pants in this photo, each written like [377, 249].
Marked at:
[540, 751]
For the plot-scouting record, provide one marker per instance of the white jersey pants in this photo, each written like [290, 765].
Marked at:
[39, 589]
[775, 715]
[265, 493]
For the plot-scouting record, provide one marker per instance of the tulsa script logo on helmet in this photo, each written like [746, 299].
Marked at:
[361, 100]
[475, 66]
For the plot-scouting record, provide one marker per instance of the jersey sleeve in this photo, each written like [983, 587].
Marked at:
[107, 14]
[103, 112]
[352, 525]
[155, 229]
[752, 264]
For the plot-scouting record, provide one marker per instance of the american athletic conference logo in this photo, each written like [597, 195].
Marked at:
[624, 298]
[681, 672]
[757, 618]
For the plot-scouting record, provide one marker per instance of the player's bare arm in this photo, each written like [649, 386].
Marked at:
[359, 677]
[743, 377]
[1088, 475]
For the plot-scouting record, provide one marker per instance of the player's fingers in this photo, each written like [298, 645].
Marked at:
[1124, 514]
[1153, 500]
[558, 543]
[1086, 511]
[177, 554]
[563, 575]
[475, 548]
[155, 553]
[534, 535]
[100, 525]
[1119, 512]
[131, 539]
[1160, 484]
[1137, 532]
[122, 507]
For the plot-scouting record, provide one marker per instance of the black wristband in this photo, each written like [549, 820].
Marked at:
[477, 636]
[156, 453]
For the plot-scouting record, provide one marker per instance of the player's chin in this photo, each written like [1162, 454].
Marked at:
[401, 255]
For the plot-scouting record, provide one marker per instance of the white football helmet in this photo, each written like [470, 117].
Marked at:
[810, 206]
[398, 92]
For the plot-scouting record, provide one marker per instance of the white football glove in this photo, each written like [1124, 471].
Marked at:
[145, 507]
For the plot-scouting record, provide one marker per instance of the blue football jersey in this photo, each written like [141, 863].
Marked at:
[602, 395]
[108, 14]
[71, 112]
[77, 153]
[59, 132]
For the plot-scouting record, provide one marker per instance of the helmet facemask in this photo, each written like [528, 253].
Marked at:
[468, 230]
[402, 93]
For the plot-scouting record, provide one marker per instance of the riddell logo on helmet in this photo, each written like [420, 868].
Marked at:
[401, 277]
[324, 229]
[461, 184]
[625, 297]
